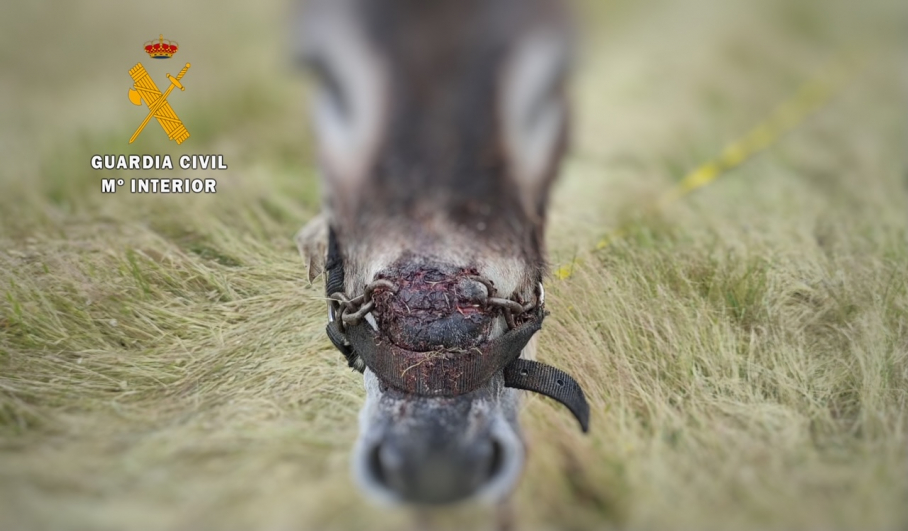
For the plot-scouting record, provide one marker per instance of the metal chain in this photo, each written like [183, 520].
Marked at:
[513, 309]
[353, 311]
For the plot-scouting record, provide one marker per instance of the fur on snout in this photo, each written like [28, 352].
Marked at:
[430, 451]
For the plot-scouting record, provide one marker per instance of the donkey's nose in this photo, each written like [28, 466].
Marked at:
[433, 309]
[435, 475]
[430, 451]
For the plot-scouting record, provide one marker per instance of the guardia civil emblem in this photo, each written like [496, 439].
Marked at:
[144, 89]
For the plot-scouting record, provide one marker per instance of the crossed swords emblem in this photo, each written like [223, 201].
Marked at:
[145, 89]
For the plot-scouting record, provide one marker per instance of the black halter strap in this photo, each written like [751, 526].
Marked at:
[443, 373]
[450, 373]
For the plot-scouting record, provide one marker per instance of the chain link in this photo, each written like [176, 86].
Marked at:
[352, 311]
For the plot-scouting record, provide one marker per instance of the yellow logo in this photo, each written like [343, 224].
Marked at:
[144, 89]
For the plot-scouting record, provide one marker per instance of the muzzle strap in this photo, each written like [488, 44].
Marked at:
[442, 373]
[551, 382]
[457, 373]
[334, 265]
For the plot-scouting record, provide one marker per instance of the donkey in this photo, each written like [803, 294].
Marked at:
[440, 126]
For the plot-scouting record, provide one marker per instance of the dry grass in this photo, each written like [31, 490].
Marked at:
[162, 361]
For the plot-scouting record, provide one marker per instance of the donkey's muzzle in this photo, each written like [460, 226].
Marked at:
[438, 452]
[433, 310]
[435, 475]
[425, 332]
[456, 372]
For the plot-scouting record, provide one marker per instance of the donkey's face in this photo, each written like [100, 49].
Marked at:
[440, 126]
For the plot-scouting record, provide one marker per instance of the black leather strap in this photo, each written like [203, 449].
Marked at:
[334, 266]
[457, 373]
[551, 382]
[443, 373]
[339, 341]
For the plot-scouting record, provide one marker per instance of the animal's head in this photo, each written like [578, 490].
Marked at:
[440, 127]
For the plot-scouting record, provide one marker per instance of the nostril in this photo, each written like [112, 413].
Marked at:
[497, 461]
[375, 465]
[470, 289]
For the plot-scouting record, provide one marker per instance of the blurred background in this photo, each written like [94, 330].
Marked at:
[162, 360]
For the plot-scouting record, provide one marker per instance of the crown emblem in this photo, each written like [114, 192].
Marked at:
[161, 49]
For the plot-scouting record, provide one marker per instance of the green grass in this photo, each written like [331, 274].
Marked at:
[745, 351]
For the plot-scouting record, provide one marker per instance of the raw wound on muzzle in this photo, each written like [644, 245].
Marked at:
[450, 371]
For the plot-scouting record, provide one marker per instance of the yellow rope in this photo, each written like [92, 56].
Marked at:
[810, 97]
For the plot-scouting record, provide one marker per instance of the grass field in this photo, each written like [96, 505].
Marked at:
[745, 350]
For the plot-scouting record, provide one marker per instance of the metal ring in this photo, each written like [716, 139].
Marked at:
[375, 284]
[490, 286]
[512, 306]
[340, 298]
[356, 317]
